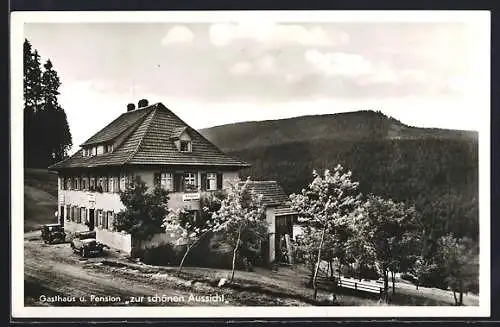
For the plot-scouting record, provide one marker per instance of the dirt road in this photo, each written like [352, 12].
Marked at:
[57, 277]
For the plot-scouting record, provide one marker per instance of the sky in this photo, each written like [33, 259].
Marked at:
[426, 74]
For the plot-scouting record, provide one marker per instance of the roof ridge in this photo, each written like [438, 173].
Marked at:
[152, 113]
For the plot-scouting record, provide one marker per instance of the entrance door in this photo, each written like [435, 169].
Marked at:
[284, 228]
[91, 219]
[61, 216]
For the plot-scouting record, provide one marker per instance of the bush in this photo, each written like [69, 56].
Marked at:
[409, 278]
[163, 255]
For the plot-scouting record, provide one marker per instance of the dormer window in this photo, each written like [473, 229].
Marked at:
[108, 148]
[185, 146]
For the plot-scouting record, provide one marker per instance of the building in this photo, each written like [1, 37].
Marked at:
[281, 219]
[151, 142]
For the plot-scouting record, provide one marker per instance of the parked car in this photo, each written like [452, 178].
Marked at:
[85, 244]
[53, 233]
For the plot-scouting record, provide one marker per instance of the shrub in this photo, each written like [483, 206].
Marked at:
[163, 255]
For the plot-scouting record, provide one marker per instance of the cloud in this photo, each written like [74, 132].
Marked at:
[262, 65]
[222, 34]
[178, 34]
[242, 67]
[339, 63]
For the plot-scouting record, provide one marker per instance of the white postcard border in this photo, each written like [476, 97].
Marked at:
[481, 19]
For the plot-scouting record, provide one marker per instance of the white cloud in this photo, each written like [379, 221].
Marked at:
[222, 34]
[339, 63]
[178, 34]
[242, 67]
[266, 64]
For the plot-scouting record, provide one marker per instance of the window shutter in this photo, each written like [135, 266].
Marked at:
[111, 219]
[203, 181]
[116, 184]
[178, 183]
[219, 181]
[157, 179]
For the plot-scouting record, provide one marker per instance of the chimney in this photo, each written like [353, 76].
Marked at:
[142, 103]
[130, 107]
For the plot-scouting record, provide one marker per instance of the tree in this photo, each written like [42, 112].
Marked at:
[32, 81]
[326, 205]
[196, 226]
[460, 257]
[242, 220]
[386, 230]
[58, 141]
[43, 115]
[421, 269]
[144, 211]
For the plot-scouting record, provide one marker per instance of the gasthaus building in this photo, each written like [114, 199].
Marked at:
[151, 142]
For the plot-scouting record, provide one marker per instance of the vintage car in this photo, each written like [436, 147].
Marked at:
[53, 233]
[85, 244]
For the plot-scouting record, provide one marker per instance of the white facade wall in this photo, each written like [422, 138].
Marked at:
[107, 201]
[115, 240]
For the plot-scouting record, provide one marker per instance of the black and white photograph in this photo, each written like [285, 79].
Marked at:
[250, 164]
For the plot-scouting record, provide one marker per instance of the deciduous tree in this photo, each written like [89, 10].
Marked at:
[241, 219]
[145, 210]
[326, 205]
[385, 230]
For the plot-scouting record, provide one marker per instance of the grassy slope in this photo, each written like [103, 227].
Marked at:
[40, 198]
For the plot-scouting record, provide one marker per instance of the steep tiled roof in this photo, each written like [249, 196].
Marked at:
[147, 140]
[271, 191]
[177, 132]
[118, 126]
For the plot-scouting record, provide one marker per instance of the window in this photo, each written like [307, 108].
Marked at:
[94, 151]
[166, 181]
[109, 220]
[123, 183]
[185, 146]
[92, 185]
[99, 186]
[85, 183]
[77, 183]
[99, 218]
[83, 215]
[211, 182]
[116, 184]
[190, 182]
[110, 185]
[104, 184]
[68, 212]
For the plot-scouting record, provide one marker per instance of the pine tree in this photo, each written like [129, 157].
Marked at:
[53, 117]
[32, 99]
[42, 113]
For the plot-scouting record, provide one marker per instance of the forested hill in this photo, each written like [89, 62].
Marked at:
[357, 125]
[434, 169]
